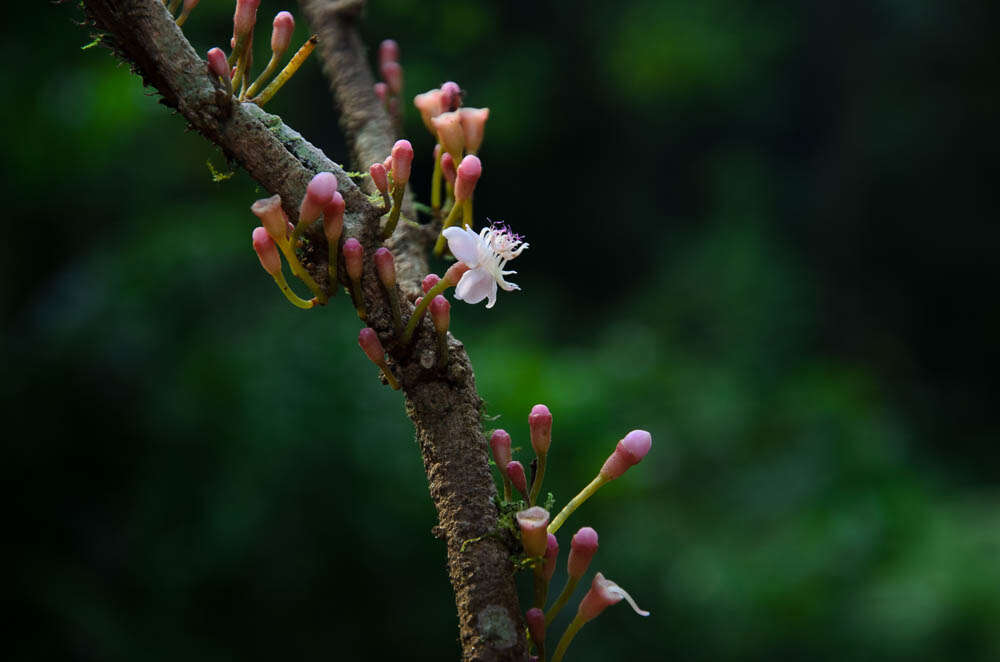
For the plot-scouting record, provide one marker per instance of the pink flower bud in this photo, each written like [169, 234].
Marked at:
[533, 523]
[515, 472]
[281, 32]
[581, 550]
[469, 171]
[379, 177]
[369, 342]
[244, 17]
[387, 164]
[318, 195]
[385, 267]
[272, 216]
[189, 5]
[628, 452]
[402, 159]
[500, 445]
[429, 281]
[353, 255]
[451, 96]
[448, 168]
[540, 423]
[388, 51]
[602, 594]
[218, 64]
[535, 618]
[333, 218]
[440, 313]
[267, 252]
[474, 126]
[448, 127]
[392, 74]
[551, 556]
[417, 302]
[455, 273]
[430, 106]
[382, 91]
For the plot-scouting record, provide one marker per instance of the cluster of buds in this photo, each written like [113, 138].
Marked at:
[390, 89]
[234, 71]
[459, 134]
[537, 530]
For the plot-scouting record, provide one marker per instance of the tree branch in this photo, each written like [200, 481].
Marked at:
[441, 401]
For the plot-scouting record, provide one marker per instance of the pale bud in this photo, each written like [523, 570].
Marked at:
[388, 51]
[379, 177]
[392, 74]
[244, 17]
[219, 65]
[448, 168]
[448, 127]
[429, 281]
[267, 252]
[440, 313]
[581, 551]
[627, 453]
[500, 445]
[474, 126]
[515, 472]
[381, 91]
[551, 556]
[402, 160]
[318, 195]
[540, 424]
[333, 218]
[469, 171]
[272, 216]
[385, 267]
[533, 523]
[353, 256]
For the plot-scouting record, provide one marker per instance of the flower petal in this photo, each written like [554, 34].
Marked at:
[464, 245]
[474, 286]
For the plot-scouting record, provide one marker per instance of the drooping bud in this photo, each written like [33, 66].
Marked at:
[602, 594]
[392, 74]
[429, 281]
[455, 273]
[515, 471]
[448, 127]
[388, 51]
[281, 33]
[379, 178]
[627, 453]
[535, 618]
[540, 423]
[469, 171]
[219, 66]
[319, 193]
[474, 126]
[551, 556]
[333, 218]
[244, 17]
[451, 96]
[385, 267]
[272, 216]
[430, 106]
[500, 445]
[440, 314]
[581, 551]
[353, 256]
[448, 168]
[533, 523]
[267, 252]
[402, 160]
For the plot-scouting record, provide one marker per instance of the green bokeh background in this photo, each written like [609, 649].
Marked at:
[764, 231]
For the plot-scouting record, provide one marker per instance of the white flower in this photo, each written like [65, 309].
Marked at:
[486, 254]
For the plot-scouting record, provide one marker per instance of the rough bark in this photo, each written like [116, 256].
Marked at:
[441, 400]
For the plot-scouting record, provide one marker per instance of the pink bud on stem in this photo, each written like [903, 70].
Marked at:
[436, 182]
[388, 51]
[469, 171]
[402, 161]
[448, 168]
[581, 551]
[281, 33]
[353, 258]
[244, 19]
[441, 317]
[500, 445]
[267, 252]
[515, 472]
[372, 347]
[451, 96]
[451, 278]
[429, 281]
[333, 227]
[602, 594]
[319, 194]
[274, 220]
[392, 74]
[219, 66]
[629, 451]
[540, 424]
[385, 267]
[545, 569]
[382, 92]
[536, 628]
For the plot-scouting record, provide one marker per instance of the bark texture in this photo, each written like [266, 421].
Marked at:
[441, 400]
